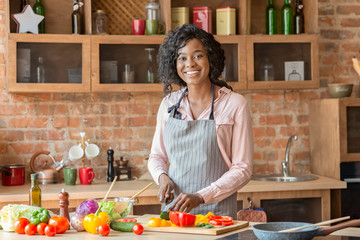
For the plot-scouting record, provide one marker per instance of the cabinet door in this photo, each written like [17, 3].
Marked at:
[65, 63]
[282, 62]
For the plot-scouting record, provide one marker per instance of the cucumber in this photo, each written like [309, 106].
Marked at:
[164, 215]
[122, 226]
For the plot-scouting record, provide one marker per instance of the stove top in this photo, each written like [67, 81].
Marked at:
[249, 235]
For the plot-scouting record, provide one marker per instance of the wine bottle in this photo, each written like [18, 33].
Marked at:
[40, 9]
[287, 23]
[76, 18]
[299, 17]
[23, 3]
[271, 25]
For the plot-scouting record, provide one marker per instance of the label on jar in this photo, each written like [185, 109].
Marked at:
[202, 18]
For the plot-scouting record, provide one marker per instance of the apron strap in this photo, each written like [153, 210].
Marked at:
[173, 109]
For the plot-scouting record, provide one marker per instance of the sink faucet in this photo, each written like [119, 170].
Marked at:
[286, 165]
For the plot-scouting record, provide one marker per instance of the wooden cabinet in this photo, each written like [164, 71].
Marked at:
[244, 51]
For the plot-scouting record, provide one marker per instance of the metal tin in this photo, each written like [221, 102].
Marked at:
[202, 18]
[225, 20]
[179, 17]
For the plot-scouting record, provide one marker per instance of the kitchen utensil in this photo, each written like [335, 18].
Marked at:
[76, 152]
[70, 175]
[163, 206]
[92, 151]
[139, 192]
[111, 186]
[270, 231]
[216, 230]
[12, 174]
[316, 224]
[47, 174]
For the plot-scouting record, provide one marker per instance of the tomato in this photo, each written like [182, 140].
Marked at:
[104, 230]
[61, 224]
[40, 228]
[138, 229]
[50, 230]
[20, 225]
[30, 229]
[126, 220]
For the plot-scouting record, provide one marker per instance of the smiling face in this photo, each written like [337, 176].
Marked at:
[192, 63]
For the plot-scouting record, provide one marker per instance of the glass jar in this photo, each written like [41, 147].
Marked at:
[99, 22]
[152, 10]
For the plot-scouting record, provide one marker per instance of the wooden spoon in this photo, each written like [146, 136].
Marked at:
[316, 224]
[138, 193]
[111, 186]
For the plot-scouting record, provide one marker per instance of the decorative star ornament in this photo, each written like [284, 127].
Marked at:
[27, 20]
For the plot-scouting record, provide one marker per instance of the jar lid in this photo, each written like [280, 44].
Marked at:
[34, 176]
[100, 11]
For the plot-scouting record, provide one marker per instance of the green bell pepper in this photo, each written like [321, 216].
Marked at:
[39, 216]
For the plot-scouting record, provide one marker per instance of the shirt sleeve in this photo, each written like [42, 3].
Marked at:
[240, 171]
[157, 163]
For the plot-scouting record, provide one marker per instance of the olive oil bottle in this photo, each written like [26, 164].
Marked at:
[35, 191]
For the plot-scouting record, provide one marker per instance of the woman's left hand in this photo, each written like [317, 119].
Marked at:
[186, 202]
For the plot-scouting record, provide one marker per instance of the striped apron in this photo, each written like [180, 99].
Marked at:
[195, 158]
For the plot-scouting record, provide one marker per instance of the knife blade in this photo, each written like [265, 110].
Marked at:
[163, 206]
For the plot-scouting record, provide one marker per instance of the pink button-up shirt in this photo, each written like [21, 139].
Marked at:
[234, 137]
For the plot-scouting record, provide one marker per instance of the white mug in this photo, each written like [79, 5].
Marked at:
[76, 152]
[91, 151]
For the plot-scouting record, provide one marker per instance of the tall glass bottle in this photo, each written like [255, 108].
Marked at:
[23, 3]
[151, 67]
[35, 191]
[40, 9]
[271, 25]
[287, 22]
[40, 71]
[76, 17]
[299, 17]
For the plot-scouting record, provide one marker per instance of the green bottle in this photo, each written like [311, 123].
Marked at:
[271, 25]
[39, 9]
[287, 19]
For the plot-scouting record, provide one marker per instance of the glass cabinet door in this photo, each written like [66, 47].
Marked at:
[47, 65]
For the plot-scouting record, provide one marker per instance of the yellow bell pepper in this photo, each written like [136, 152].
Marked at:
[203, 219]
[158, 222]
[93, 221]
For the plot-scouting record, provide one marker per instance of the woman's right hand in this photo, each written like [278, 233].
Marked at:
[166, 189]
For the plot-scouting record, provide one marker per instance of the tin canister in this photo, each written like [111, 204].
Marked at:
[179, 17]
[202, 18]
[225, 20]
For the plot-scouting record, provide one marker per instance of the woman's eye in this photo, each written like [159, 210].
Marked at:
[181, 58]
[197, 56]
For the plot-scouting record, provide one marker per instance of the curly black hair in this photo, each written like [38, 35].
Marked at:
[168, 53]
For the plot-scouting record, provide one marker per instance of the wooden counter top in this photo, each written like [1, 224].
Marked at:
[128, 188]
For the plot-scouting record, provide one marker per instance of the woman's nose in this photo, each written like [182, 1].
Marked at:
[190, 63]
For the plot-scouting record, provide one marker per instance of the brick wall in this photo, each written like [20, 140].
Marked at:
[125, 121]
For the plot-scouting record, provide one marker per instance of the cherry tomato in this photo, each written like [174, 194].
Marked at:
[61, 224]
[104, 230]
[138, 229]
[40, 228]
[20, 225]
[30, 229]
[50, 230]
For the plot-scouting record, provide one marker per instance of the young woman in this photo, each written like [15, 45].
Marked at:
[203, 130]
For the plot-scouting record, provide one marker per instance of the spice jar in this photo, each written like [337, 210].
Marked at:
[99, 22]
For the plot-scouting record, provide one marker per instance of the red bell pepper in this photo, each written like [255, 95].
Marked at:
[221, 220]
[182, 219]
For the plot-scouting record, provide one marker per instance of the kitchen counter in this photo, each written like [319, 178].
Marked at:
[257, 190]
[72, 234]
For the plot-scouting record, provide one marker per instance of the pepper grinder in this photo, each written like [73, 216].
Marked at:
[64, 204]
[111, 169]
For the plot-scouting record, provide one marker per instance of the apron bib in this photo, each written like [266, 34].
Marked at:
[195, 158]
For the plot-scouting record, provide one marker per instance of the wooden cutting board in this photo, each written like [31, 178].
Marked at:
[216, 230]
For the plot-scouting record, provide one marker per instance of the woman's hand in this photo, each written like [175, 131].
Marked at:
[167, 187]
[186, 202]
